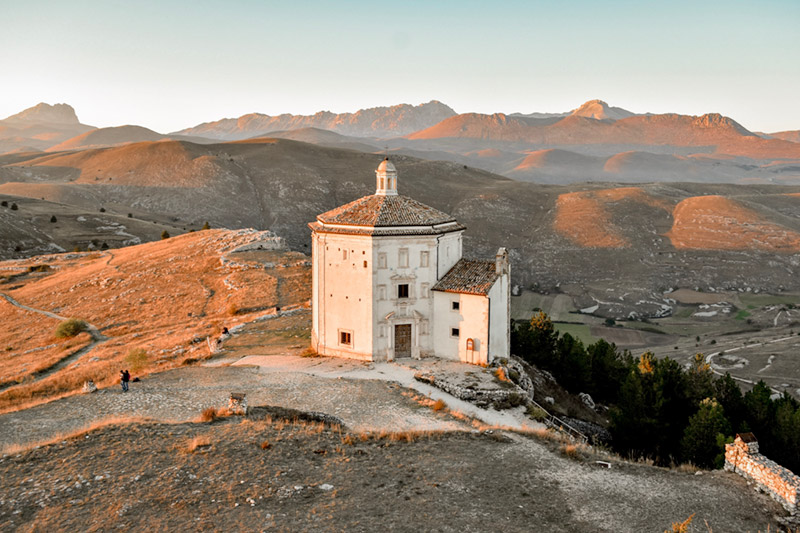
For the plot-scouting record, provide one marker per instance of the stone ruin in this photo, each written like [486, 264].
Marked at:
[237, 403]
[743, 458]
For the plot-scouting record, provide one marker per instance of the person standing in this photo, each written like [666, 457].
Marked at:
[124, 378]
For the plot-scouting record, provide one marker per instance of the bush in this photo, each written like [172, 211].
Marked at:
[209, 414]
[136, 359]
[53, 219]
[536, 413]
[71, 327]
[164, 235]
[130, 215]
[14, 206]
[102, 209]
[439, 405]
[4, 203]
[206, 225]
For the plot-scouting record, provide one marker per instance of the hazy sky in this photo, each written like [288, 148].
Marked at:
[169, 65]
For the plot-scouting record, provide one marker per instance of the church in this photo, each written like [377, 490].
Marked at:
[388, 281]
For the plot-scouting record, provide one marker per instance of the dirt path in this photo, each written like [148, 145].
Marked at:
[97, 339]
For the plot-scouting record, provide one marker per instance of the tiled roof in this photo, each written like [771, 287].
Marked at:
[383, 211]
[385, 231]
[469, 276]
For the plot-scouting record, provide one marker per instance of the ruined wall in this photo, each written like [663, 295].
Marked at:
[780, 483]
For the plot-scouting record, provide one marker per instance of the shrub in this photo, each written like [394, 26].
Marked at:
[4, 203]
[130, 215]
[14, 206]
[104, 246]
[70, 327]
[206, 225]
[209, 414]
[136, 359]
[53, 219]
[536, 413]
[439, 405]
[102, 209]
[164, 235]
[266, 445]
[309, 352]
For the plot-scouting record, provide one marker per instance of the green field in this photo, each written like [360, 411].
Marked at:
[760, 300]
[579, 331]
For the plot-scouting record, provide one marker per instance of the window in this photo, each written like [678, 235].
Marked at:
[454, 332]
[455, 305]
[381, 260]
[402, 290]
[344, 254]
[381, 292]
[403, 258]
[423, 259]
[470, 345]
[345, 338]
[365, 264]
[424, 290]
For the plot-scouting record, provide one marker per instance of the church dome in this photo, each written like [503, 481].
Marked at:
[386, 166]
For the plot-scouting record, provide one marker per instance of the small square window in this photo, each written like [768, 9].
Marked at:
[456, 306]
[402, 290]
[365, 264]
[454, 332]
[346, 338]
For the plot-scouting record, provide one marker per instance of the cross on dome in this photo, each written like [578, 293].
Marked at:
[386, 179]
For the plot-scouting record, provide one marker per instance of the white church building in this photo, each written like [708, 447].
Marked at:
[389, 282]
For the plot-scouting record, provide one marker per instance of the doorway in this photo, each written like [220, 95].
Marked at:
[402, 340]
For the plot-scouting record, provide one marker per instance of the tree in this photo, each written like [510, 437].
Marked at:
[699, 380]
[206, 225]
[53, 219]
[729, 396]
[707, 430]
[164, 235]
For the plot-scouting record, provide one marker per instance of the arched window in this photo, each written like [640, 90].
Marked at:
[470, 345]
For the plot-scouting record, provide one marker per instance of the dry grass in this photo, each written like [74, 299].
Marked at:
[385, 436]
[681, 527]
[159, 296]
[309, 352]
[439, 405]
[198, 443]
[93, 426]
[209, 414]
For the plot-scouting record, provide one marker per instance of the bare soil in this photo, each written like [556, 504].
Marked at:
[255, 475]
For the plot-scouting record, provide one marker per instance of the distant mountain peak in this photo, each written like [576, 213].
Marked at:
[716, 120]
[46, 113]
[599, 110]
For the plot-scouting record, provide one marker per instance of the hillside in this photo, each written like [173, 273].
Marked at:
[39, 127]
[163, 297]
[285, 184]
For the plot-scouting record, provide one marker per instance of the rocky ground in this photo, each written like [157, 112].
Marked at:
[398, 463]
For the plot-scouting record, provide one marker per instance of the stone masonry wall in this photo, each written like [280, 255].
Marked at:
[780, 483]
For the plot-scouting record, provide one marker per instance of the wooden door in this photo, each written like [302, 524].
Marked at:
[402, 340]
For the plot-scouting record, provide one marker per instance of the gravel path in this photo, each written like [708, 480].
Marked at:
[345, 389]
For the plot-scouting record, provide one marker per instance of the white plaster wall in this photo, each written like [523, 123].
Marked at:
[342, 294]
[417, 309]
[472, 321]
[500, 313]
[448, 252]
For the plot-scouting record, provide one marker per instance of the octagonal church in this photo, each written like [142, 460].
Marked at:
[389, 282]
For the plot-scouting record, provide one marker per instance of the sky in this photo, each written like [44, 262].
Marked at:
[168, 65]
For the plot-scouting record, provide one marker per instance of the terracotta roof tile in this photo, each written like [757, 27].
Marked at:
[469, 276]
[383, 211]
[385, 231]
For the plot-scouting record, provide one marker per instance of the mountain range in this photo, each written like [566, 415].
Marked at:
[594, 142]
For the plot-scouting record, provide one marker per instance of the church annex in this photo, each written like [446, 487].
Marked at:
[389, 282]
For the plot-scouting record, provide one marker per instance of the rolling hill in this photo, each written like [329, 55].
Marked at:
[280, 185]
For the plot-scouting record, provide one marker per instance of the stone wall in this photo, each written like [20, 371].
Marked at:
[742, 457]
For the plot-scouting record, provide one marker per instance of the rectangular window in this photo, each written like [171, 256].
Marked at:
[381, 292]
[382, 260]
[423, 259]
[345, 338]
[403, 258]
[456, 305]
[365, 264]
[424, 290]
[402, 290]
[454, 332]
[344, 254]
